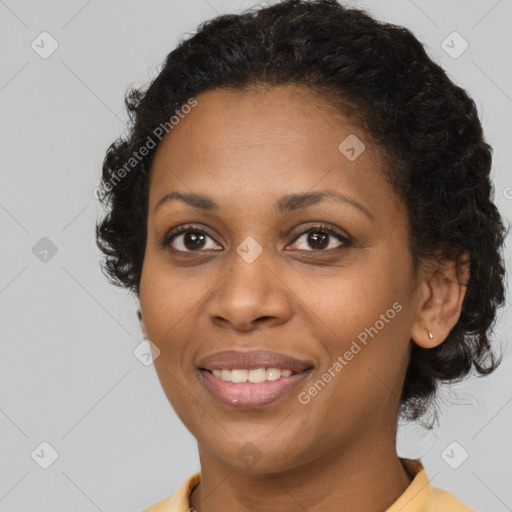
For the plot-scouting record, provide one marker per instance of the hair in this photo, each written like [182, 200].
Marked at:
[378, 74]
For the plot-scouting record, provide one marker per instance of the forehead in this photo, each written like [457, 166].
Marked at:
[264, 140]
[273, 116]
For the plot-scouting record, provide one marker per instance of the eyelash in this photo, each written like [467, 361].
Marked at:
[322, 228]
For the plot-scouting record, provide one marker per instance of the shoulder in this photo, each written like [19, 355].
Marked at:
[177, 502]
[444, 500]
[420, 496]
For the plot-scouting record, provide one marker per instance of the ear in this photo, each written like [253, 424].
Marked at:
[141, 322]
[442, 293]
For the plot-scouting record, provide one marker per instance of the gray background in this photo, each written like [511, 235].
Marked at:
[68, 374]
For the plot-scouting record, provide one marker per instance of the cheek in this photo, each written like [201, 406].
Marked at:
[350, 301]
[166, 304]
[361, 318]
[168, 298]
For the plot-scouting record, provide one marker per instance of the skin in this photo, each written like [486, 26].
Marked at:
[246, 150]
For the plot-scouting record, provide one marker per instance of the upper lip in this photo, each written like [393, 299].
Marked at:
[249, 360]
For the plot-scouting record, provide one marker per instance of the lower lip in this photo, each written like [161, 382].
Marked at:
[248, 395]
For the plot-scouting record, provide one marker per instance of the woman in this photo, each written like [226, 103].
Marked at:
[303, 208]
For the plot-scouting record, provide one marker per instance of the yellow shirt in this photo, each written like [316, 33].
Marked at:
[420, 496]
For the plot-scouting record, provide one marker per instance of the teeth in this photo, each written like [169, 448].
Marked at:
[239, 375]
[273, 373]
[255, 376]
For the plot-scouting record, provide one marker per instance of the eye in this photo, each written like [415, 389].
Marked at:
[320, 238]
[188, 239]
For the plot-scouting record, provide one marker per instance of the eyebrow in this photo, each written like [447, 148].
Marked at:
[285, 204]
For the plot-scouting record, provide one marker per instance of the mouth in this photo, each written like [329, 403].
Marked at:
[252, 379]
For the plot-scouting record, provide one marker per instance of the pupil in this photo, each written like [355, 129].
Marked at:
[196, 240]
[318, 239]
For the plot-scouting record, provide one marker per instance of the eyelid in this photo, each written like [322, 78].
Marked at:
[346, 240]
[181, 229]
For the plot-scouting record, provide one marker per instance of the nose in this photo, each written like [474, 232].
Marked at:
[251, 294]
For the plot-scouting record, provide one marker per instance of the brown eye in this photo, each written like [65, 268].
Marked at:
[321, 238]
[318, 239]
[193, 240]
[187, 239]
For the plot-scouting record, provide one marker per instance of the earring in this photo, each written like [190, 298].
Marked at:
[430, 335]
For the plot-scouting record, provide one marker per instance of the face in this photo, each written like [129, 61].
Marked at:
[295, 257]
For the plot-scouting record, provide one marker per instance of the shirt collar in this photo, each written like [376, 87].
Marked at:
[416, 497]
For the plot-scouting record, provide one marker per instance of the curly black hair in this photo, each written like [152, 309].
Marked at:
[380, 76]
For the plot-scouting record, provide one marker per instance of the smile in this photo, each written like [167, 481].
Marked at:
[252, 379]
[255, 376]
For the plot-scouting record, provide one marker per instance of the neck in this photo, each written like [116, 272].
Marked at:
[366, 476]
